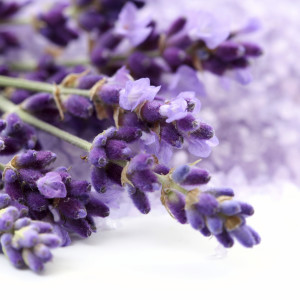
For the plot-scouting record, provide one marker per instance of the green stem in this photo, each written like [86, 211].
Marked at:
[8, 107]
[37, 86]
[2, 167]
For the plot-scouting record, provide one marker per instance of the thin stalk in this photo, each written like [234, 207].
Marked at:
[37, 86]
[2, 167]
[8, 107]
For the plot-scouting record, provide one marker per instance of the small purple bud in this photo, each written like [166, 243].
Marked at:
[150, 111]
[30, 176]
[225, 239]
[51, 186]
[188, 123]
[91, 19]
[171, 135]
[161, 169]
[32, 261]
[128, 134]
[109, 94]
[180, 173]
[207, 204]
[4, 200]
[116, 149]
[26, 237]
[38, 102]
[229, 51]
[19, 95]
[246, 209]
[99, 179]
[97, 157]
[176, 204]
[79, 226]
[101, 139]
[79, 188]
[49, 239]
[114, 173]
[22, 223]
[42, 227]
[14, 256]
[36, 201]
[203, 132]
[252, 49]
[43, 252]
[175, 57]
[176, 26]
[140, 199]
[86, 82]
[217, 192]
[97, 208]
[72, 208]
[244, 235]
[196, 176]
[194, 218]
[78, 106]
[230, 207]
[145, 180]
[140, 162]
[214, 224]
[2, 125]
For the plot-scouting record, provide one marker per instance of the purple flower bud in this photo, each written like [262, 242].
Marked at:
[246, 209]
[43, 252]
[116, 149]
[196, 176]
[217, 192]
[99, 179]
[128, 134]
[161, 169]
[194, 218]
[79, 226]
[14, 256]
[145, 180]
[97, 157]
[252, 49]
[180, 173]
[114, 172]
[14, 124]
[79, 189]
[171, 135]
[207, 204]
[38, 102]
[188, 123]
[42, 227]
[4, 200]
[23, 222]
[175, 57]
[51, 240]
[140, 162]
[30, 176]
[214, 65]
[2, 125]
[101, 139]
[229, 51]
[109, 94]
[97, 208]
[230, 207]
[225, 239]
[36, 201]
[78, 106]
[176, 204]
[34, 159]
[51, 186]
[140, 199]
[26, 237]
[86, 82]
[245, 236]
[65, 176]
[214, 224]
[150, 111]
[203, 132]
[72, 208]
[32, 261]
[176, 26]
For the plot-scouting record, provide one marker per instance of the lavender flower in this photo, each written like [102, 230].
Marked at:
[25, 242]
[137, 92]
[131, 26]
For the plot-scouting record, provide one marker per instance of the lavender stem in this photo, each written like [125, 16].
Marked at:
[8, 107]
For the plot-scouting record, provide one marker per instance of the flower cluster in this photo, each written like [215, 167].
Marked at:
[25, 242]
[129, 104]
[53, 194]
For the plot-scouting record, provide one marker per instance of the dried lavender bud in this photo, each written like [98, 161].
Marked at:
[139, 199]
[78, 106]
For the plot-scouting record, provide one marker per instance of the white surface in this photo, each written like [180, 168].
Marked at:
[155, 257]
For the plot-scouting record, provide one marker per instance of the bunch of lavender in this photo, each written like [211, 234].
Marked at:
[127, 130]
[25, 242]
